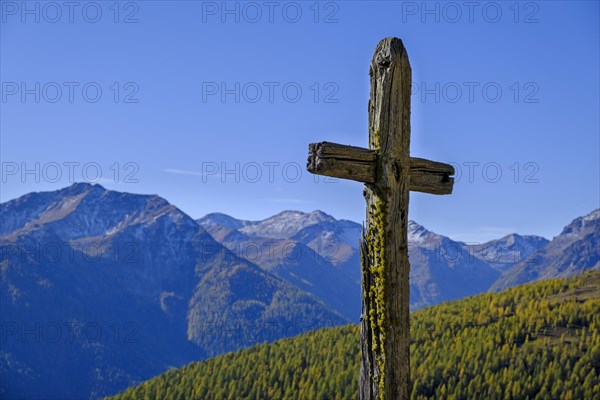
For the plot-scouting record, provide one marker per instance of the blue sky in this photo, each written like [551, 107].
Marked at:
[212, 105]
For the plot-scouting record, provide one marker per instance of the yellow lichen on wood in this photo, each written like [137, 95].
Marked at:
[374, 239]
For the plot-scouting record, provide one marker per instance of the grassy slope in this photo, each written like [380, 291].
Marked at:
[540, 340]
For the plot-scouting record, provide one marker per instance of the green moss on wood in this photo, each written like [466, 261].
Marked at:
[374, 266]
[376, 141]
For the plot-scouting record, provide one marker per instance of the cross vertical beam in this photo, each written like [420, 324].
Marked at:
[389, 174]
[385, 332]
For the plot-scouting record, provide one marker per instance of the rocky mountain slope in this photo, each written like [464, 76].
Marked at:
[100, 289]
[320, 254]
[576, 249]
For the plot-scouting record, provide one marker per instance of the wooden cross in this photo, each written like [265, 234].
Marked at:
[389, 173]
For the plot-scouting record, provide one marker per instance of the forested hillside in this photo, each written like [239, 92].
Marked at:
[535, 341]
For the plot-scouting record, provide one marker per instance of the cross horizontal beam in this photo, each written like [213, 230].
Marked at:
[360, 164]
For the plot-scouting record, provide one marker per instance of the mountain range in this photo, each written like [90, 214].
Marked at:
[101, 289]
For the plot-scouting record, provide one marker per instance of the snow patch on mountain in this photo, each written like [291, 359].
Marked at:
[285, 224]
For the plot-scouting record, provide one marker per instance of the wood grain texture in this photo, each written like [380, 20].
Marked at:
[430, 176]
[389, 135]
[359, 164]
[431, 183]
[341, 161]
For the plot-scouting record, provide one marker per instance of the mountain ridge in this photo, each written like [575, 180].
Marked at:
[575, 249]
[86, 255]
[126, 265]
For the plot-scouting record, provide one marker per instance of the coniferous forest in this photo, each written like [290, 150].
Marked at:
[536, 341]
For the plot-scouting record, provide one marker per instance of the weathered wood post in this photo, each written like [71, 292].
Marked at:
[385, 369]
[389, 173]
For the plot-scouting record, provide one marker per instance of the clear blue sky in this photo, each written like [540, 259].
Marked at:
[540, 132]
